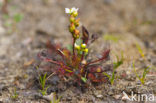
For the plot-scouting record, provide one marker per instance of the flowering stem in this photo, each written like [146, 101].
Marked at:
[82, 56]
[73, 47]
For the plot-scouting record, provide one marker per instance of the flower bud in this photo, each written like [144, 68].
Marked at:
[83, 46]
[86, 51]
[76, 36]
[76, 33]
[72, 27]
[75, 14]
[98, 70]
[77, 47]
[72, 19]
[77, 22]
[84, 62]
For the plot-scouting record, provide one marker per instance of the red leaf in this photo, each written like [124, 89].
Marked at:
[54, 48]
[104, 56]
[85, 33]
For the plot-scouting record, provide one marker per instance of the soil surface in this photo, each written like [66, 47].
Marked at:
[130, 22]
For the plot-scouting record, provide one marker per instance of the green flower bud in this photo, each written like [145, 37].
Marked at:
[86, 51]
[83, 46]
[75, 14]
[77, 22]
[72, 28]
[77, 47]
[72, 19]
[76, 34]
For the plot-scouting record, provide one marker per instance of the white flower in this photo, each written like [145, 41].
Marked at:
[69, 11]
[74, 9]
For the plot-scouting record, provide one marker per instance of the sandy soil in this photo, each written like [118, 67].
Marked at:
[132, 21]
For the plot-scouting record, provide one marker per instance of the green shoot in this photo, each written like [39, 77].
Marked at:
[11, 21]
[44, 92]
[115, 66]
[55, 100]
[145, 72]
[18, 17]
[15, 94]
[140, 50]
[42, 81]
[84, 79]
[119, 61]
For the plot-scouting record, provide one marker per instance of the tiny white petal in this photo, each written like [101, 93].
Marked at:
[74, 9]
[67, 10]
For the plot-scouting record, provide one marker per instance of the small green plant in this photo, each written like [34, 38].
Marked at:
[17, 17]
[143, 77]
[115, 66]
[55, 100]
[72, 62]
[11, 21]
[42, 81]
[140, 50]
[15, 94]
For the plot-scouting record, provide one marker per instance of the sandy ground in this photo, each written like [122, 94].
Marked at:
[132, 21]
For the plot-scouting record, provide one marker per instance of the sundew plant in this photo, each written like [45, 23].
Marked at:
[73, 63]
